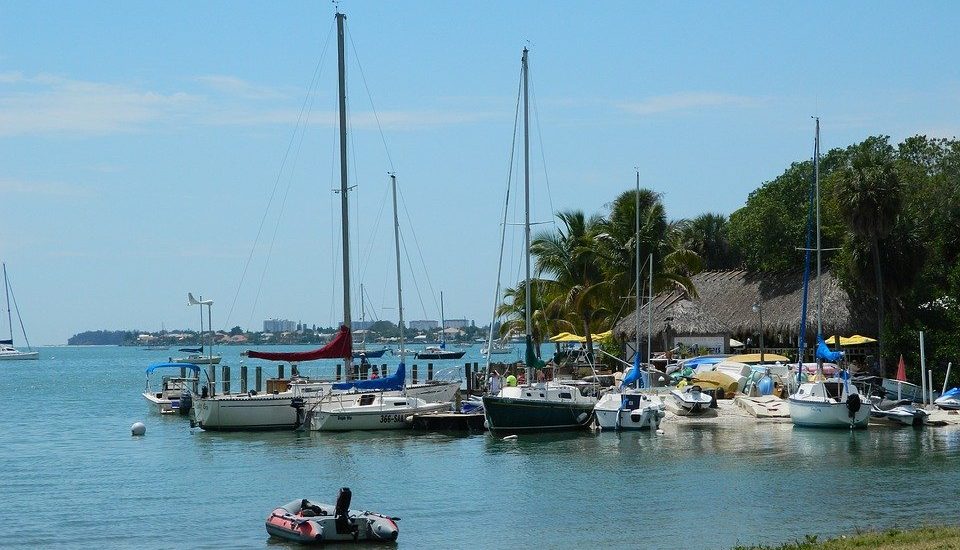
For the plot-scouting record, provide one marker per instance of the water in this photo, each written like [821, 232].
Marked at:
[71, 475]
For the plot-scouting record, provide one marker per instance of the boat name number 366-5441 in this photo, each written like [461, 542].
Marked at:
[390, 418]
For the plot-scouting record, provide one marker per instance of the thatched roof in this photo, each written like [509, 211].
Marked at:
[727, 297]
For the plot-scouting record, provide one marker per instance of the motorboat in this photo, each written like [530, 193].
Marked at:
[629, 410]
[168, 397]
[308, 522]
[368, 411]
[691, 399]
[950, 400]
[498, 348]
[830, 403]
[369, 353]
[438, 353]
[902, 411]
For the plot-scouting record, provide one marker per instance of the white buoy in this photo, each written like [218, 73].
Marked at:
[138, 428]
[510, 438]
[659, 432]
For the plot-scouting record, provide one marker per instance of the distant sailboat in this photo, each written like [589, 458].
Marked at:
[440, 352]
[7, 351]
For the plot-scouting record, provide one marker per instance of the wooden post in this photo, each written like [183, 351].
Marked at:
[243, 379]
[383, 369]
[259, 387]
[183, 372]
[414, 373]
[466, 374]
[212, 378]
[429, 372]
[294, 370]
[280, 371]
[339, 369]
[226, 380]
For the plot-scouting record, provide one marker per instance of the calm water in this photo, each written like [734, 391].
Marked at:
[71, 475]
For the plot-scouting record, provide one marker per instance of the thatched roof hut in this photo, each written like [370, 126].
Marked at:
[725, 305]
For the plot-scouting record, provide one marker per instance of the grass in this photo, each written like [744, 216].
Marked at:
[921, 538]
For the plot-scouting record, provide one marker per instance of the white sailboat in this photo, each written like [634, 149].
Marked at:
[7, 351]
[535, 406]
[832, 402]
[629, 408]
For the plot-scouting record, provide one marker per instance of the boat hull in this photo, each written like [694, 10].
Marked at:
[378, 418]
[370, 353]
[440, 356]
[513, 414]
[245, 412]
[827, 415]
[198, 360]
[20, 356]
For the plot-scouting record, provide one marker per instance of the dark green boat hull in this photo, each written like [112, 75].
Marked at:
[516, 415]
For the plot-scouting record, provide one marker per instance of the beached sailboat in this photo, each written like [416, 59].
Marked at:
[7, 351]
[629, 408]
[833, 402]
[535, 406]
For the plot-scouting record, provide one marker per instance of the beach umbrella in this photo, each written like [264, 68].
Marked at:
[901, 370]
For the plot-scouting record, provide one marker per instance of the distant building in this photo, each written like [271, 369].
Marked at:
[424, 325]
[457, 323]
[279, 325]
[362, 325]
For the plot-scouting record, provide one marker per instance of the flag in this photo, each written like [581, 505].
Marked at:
[901, 370]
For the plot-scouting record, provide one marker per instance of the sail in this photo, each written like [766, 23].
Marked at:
[338, 348]
[634, 373]
[824, 353]
[394, 382]
[531, 357]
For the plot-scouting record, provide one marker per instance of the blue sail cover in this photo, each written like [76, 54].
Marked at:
[190, 366]
[394, 382]
[633, 374]
[824, 353]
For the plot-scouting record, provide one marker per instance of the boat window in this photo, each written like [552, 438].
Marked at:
[833, 389]
[529, 394]
[565, 395]
[367, 399]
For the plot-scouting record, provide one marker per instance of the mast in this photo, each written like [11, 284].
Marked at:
[442, 343]
[816, 183]
[650, 310]
[396, 240]
[6, 291]
[636, 243]
[344, 209]
[528, 319]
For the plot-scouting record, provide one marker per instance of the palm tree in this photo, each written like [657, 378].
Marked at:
[870, 197]
[512, 309]
[569, 256]
[708, 236]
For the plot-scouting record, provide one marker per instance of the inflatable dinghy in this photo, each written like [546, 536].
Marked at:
[306, 521]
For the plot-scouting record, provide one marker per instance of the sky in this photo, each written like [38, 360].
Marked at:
[152, 149]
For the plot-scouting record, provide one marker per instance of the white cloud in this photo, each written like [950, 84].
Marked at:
[46, 104]
[237, 87]
[684, 101]
[44, 188]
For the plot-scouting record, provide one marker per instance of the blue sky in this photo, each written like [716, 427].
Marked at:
[140, 142]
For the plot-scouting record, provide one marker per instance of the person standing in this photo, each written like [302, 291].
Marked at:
[494, 383]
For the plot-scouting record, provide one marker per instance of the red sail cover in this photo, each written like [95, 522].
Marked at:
[341, 347]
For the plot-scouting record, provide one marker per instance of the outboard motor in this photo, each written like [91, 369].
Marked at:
[186, 402]
[341, 515]
[298, 404]
[853, 404]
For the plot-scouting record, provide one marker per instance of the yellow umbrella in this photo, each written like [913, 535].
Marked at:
[568, 337]
[855, 340]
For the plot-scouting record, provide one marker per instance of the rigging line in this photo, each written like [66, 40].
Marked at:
[543, 158]
[263, 219]
[376, 116]
[416, 286]
[16, 308]
[373, 235]
[423, 263]
[503, 228]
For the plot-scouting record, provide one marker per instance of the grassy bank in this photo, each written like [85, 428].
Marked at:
[922, 538]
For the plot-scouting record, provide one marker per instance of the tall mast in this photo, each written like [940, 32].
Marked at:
[344, 210]
[528, 320]
[442, 344]
[636, 242]
[650, 309]
[6, 291]
[396, 240]
[816, 183]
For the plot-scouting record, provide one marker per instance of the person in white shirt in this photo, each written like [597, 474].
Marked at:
[494, 383]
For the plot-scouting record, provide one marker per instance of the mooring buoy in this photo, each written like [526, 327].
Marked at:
[138, 429]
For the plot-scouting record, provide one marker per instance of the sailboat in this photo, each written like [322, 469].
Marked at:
[7, 351]
[535, 406]
[279, 410]
[833, 402]
[441, 351]
[360, 351]
[375, 410]
[629, 408]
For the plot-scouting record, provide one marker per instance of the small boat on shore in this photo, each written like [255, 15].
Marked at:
[902, 411]
[630, 410]
[305, 521]
[691, 400]
[949, 401]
